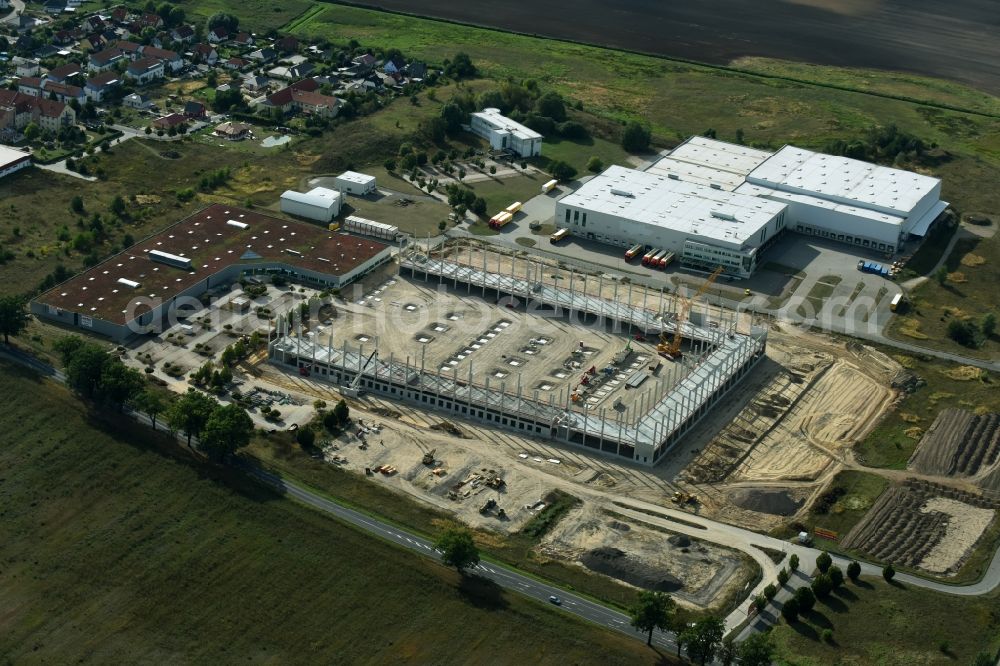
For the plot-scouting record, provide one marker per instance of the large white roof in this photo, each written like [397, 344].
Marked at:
[843, 180]
[318, 196]
[10, 155]
[689, 208]
[709, 161]
[501, 122]
[355, 177]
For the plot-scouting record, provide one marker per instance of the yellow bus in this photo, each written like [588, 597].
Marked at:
[897, 300]
[559, 235]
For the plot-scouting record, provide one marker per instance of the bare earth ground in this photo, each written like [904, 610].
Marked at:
[954, 40]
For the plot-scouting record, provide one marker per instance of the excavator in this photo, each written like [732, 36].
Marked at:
[672, 348]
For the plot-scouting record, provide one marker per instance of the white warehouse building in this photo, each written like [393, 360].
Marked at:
[715, 203]
[320, 204]
[704, 227]
[355, 183]
[506, 134]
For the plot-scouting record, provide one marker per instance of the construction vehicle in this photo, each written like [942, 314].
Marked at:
[673, 348]
[681, 497]
[428, 458]
[623, 354]
[351, 390]
[485, 508]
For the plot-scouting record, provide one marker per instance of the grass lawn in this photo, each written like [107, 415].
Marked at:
[855, 494]
[877, 624]
[418, 218]
[892, 441]
[118, 547]
[502, 192]
[578, 153]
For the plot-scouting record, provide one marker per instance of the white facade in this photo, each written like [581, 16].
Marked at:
[704, 227]
[356, 183]
[505, 134]
[319, 204]
[839, 198]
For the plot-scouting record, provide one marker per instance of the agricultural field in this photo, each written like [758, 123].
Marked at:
[963, 444]
[873, 622]
[119, 547]
[255, 15]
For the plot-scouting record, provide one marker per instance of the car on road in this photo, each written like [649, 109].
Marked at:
[555, 600]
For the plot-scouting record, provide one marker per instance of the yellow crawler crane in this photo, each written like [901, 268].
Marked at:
[673, 348]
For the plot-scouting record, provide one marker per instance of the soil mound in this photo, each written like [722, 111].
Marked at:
[619, 564]
[680, 540]
[774, 502]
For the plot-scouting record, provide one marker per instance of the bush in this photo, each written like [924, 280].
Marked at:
[790, 610]
[635, 138]
[770, 591]
[805, 599]
[964, 332]
[827, 635]
[888, 573]
[793, 562]
[823, 562]
[854, 571]
[836, 576]
[822, 586]
[572, 130]
[782, 577]
[562, 171]
[595, 165]
[305, 437]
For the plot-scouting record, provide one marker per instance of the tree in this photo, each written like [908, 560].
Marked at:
[152, 403]
[32, 132]
[854, 571]
[595, 165]
[76, 205]
[703, 639]
[653, 610]
[390, 165]
[342, 412]
[984, 659]
[562, 171]
[635, 138]
[793, 562]
[769, 591]
[478, 206]
[790, 610]
[836, 576]
[739, 136]
[756, 650]
[822, 586]
[964, 332]
[989, 324]
[782, 577]
[228, 428]
[804, 598]
[118, 206]
[728, 651]
[941, 275]
[823, 562]
[551, 105]
[190, 413]
[306, 437]
[457, 549]
[13, 316]
[119, 383]
[460, 67]
[222, 20]
[83, 372]
[888, 573]
[453, 116]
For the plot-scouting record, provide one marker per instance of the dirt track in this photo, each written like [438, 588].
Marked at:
[954, 40]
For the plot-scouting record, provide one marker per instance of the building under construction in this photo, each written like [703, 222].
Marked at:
[718, 355]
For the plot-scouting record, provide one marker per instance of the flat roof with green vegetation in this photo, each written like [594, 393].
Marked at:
[119, 547]
[880, 624]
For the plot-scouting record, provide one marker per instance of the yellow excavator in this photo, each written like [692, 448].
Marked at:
[672, 348]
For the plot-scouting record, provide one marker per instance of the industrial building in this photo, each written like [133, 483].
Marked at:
[134, 291]
[355, 183]
[12, 160]
[506, 134]
[720, 355]
[703, 226]
[698, 201]
[319, 203]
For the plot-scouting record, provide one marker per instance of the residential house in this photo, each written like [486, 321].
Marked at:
[46, 51]
[137, 101]
[236, 63]
[364, 63]
[105, 60]
[168, 121]
[292, 73]
[153, 21]
[183, 33]
[145, 70]
[263, 55]
[55, 6]
[171, 59]
[394, 65]
[254, 83]
[130, 50]
[119, 14]
[30, 85]
[100, 85]
[194, 110]
[63, 37]
[18, 109]
[303, 96]
[64, 72]
[287, 44]
[27, 66]
[233, 131]
[243, 39]
[94, 23]
[416, 71]
[94, 41]
[205, 53]
[41, 87]
[218, 35]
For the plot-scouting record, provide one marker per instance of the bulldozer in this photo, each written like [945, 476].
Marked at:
[681, 497]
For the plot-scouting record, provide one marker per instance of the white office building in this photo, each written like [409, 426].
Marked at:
[506, 134]
[356, 183]
[704, 227]
[320, 204]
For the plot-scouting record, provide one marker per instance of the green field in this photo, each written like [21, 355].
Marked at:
[118, 547]
[877, 624]
[860, 490]
[254, 15]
